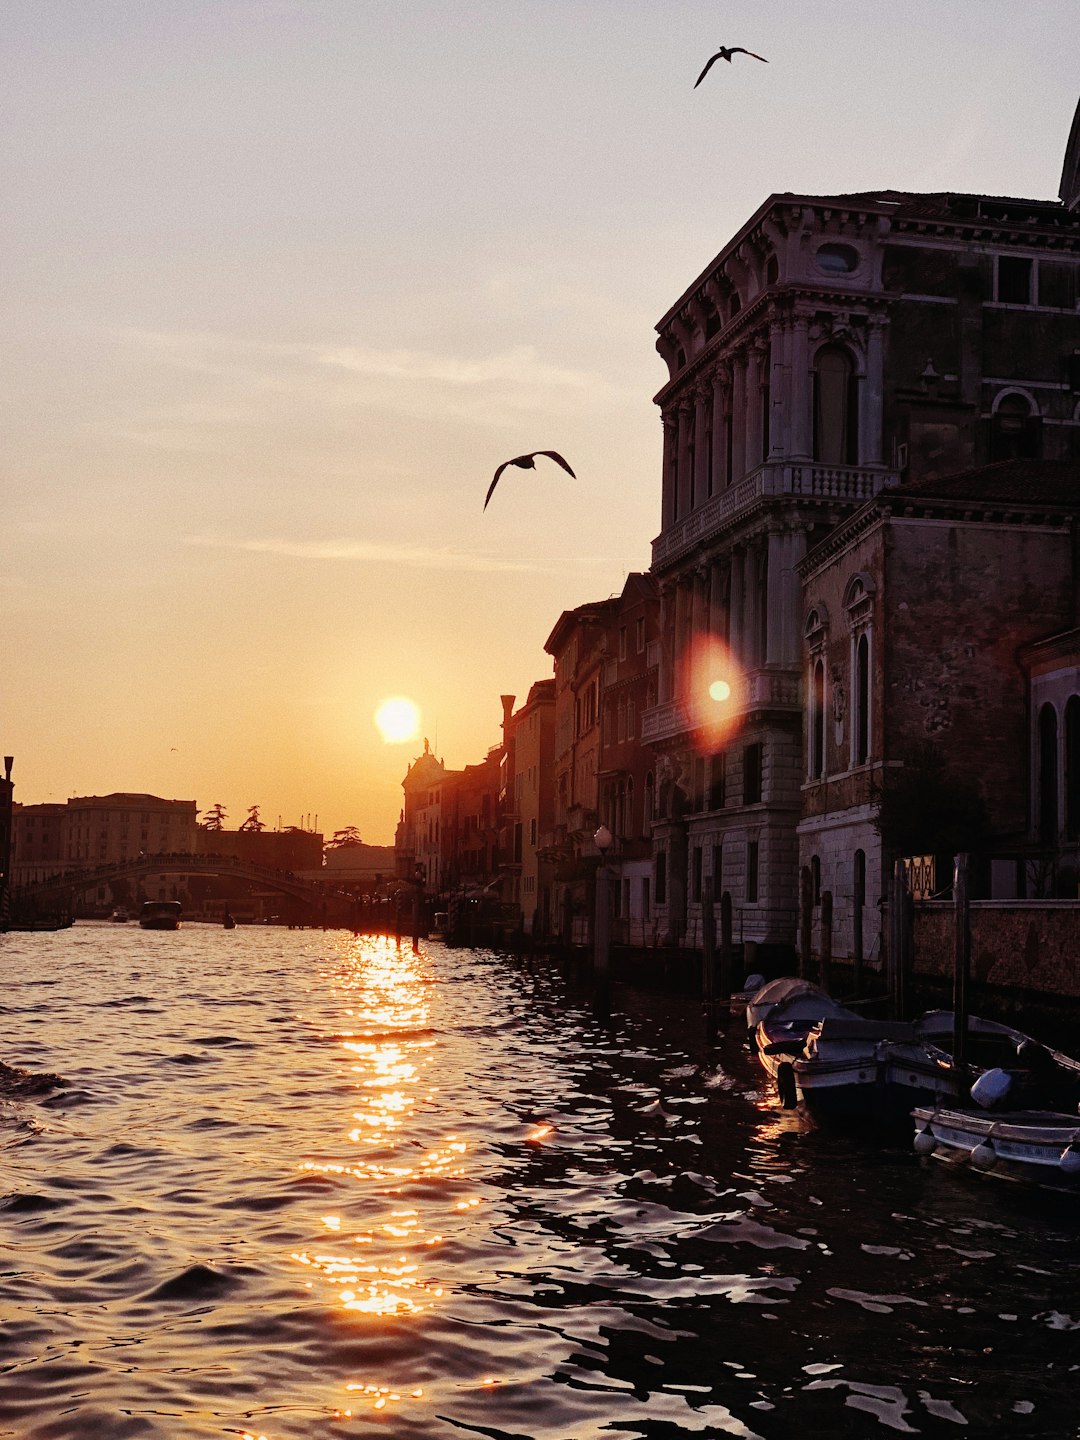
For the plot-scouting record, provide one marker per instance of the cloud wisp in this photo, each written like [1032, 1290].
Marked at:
[416, 557]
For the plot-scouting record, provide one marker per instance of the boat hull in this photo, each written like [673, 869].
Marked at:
[1036, 1147]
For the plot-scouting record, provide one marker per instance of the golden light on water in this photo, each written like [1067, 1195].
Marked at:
[716, 693]
[398, 719]
[378, 1269]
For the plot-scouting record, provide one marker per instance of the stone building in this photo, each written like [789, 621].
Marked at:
[837, 346]
[526, 804]
[92, 830]
[926, 620]
[419, 839]
[627, 777]
[579, 646]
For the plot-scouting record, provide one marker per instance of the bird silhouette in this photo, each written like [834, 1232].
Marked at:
[725, 53]
[527, 462]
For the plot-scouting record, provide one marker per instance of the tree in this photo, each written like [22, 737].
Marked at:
[925, 809]
[214, 818]
[252, 825]
[346, 839]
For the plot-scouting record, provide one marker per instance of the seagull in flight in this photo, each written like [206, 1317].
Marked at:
[527, 462]
[725, 53]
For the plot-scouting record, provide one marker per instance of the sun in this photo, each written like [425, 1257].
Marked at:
[398, 720]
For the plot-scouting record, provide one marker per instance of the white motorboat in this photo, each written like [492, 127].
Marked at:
[842, 1066]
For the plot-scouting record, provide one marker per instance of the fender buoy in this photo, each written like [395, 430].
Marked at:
[786, 1087]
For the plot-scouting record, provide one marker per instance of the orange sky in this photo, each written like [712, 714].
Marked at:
[286, 281]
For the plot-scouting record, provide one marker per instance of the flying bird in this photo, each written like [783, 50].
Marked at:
[527, 462]
[725, 53]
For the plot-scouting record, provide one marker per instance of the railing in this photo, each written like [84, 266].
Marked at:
[765, 689]
[853, 484]
[665, 721]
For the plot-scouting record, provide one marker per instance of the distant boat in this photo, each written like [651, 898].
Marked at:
[120, 916]
[160, 915]
[228, 923]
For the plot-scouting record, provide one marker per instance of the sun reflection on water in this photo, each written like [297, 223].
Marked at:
[375, 1268]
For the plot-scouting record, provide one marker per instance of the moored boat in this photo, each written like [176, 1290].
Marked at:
[1040, 1147]
[843, 1067]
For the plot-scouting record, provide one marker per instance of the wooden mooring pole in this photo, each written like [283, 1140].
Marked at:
[961, 957]
[708, 956]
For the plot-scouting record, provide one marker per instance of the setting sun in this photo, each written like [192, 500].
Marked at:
[398, 720]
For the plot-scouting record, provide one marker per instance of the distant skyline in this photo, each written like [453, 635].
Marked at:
[285, 282]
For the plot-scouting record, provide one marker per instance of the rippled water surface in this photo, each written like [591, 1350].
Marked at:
[300, 1184]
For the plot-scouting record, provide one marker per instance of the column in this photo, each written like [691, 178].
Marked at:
[721, 402]
[779, 390]
[802, 390]
[679, 639]
[686, 431]
[871, 394]
[735, 605]
[754, 401]
[669, 478]
[701, 443]
[752, 601]
[738, 415]
[665, 680]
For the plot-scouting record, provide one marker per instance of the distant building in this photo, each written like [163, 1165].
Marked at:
[578, 646]
[418, 840]
[363, 868]
[837, 346]
[526, 804]
[289, 849]
[626, 776]
[94, 830]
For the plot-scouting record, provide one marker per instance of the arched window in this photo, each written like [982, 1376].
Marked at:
[816, 718]
[815, 878]
[836, 407]
[862, 699]
[650, 798]
[1016, 429]
[628, 816]
[1048, 775]
[1072, 767]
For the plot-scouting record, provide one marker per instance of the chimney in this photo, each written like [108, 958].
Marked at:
[508, 710]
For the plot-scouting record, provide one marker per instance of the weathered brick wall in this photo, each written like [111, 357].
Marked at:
[1033, 945]
[962, 599]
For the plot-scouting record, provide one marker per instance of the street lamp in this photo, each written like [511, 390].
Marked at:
[602, 839]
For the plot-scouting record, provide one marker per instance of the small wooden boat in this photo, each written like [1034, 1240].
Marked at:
[228, 921]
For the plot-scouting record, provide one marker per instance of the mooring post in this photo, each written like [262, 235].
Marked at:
[806, 917]
[727, 951]
[602, 941]
[708, 956]
[826, 940]
[961, 957]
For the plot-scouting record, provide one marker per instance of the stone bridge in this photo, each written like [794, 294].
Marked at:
[61, 888]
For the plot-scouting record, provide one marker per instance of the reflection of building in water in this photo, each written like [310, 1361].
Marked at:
[837, 347]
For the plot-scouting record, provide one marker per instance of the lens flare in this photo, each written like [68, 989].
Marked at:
[716, 693]
[398, 720]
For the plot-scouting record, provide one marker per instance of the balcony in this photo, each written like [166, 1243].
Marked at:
[765, 690]
[664, 722]
[851, 484]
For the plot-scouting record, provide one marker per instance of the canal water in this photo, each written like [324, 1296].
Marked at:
[305, 1185]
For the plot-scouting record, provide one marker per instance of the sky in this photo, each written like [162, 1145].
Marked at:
[285, 281]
